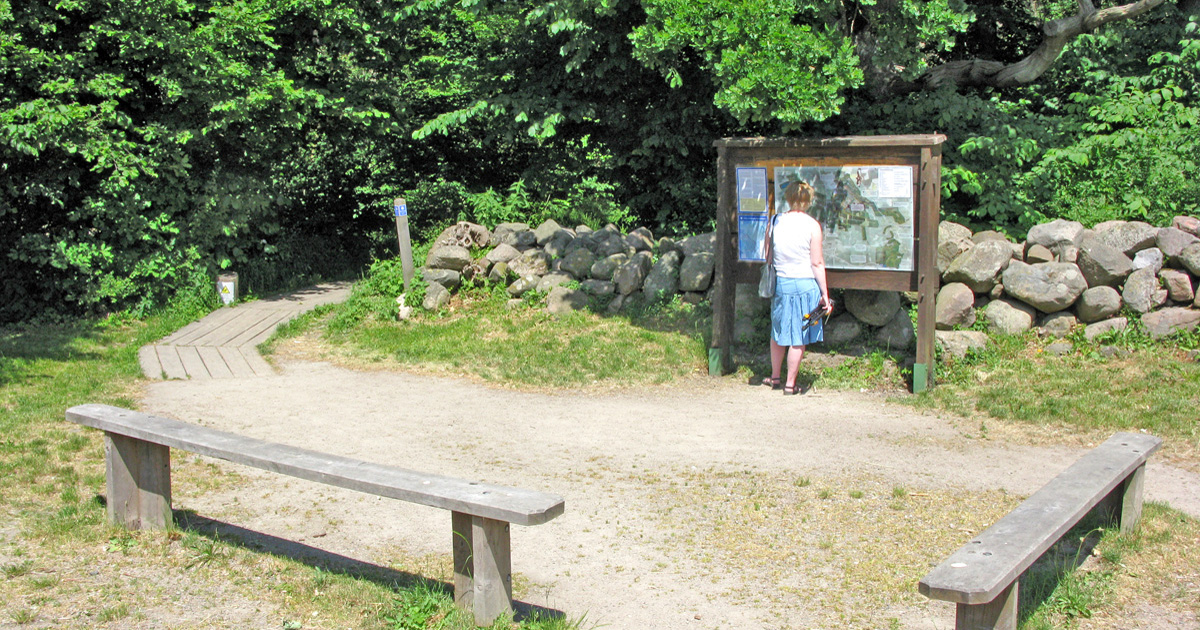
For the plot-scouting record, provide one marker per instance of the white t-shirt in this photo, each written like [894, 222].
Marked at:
[791, 238]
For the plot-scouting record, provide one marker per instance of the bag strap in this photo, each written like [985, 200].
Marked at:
[770, 228]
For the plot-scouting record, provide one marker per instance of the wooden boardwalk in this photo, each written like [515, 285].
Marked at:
[224, 344]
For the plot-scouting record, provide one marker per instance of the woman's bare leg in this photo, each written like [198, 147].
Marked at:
[776, 360]
[794, 356]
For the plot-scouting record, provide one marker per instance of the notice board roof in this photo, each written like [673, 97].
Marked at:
[914, 140]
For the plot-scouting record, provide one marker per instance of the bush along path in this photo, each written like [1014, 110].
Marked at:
[1062, 277]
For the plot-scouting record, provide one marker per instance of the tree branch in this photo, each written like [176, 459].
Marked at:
[1058, 33]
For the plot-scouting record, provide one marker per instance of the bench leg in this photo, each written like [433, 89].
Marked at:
[998, 614]
[1131, 499]
[464, 584]
[139, 482]
[492, 564]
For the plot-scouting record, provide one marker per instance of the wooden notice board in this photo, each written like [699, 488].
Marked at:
[882, 236]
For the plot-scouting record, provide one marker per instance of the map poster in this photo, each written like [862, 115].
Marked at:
[866, 213]
[752, 237]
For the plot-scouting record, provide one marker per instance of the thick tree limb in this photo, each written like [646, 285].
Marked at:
[981, 72]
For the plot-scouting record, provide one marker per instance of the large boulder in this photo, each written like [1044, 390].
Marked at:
[1038, 254]
[578, 263]
[563, 300]
[552, 280]
[523, 285]
[955, 306]
[959, 343]
[453, 257]
[1142, 291]
[448, 278]
[663, 280]
[1048, 287]
[1008, 317]
[546, 231]
[699, 243]
[533, 262]
[638, 241]
[604, 268]
[1178, 284]
[1058, 324]
[1092, 331]
[436, 297]
[598, 288]
[1189, 258]
[1170, 320]
[464, 234]
[504, 229]
[502, 253]
[1059, 236]
[1103, 264]
[953, 240]
[874, 308]
[609, 242]
[1172, 242]
[842, 330]
[1130, 237]
[500, 273]
[897, 333]
[1098, 303]
[980, 266]
[696, 272]
[1191, 225]
[630, 276]
[1151, 257]
[558, 244]
[522, 239]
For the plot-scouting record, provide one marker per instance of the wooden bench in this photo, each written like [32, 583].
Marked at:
[138, 470]
[982, 576]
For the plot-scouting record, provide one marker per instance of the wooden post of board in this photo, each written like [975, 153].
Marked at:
[139, 482]
[720, 352]
[401, 211]
[929, 194]
[492, 569]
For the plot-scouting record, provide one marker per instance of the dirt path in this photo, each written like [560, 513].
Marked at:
[633, 549]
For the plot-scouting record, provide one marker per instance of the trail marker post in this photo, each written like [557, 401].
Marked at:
[401, 211]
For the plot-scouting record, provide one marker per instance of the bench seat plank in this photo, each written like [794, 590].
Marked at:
[989, 563]
[501, 503]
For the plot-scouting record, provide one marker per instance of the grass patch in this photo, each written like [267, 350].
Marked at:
[1152, 387]
[483, 336]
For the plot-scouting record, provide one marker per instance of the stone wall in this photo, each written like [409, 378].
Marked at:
[1062, 276]
[608, 266]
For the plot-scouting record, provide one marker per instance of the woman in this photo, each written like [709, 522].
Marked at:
[795, 247]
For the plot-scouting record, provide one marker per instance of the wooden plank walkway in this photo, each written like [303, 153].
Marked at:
[224, 344]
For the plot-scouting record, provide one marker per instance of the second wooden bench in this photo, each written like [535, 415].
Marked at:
[138, 470]
[982, 577]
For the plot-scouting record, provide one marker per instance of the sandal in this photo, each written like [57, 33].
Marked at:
[791, 391]
[773, 383]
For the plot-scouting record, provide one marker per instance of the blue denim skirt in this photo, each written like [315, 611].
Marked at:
[795, 298]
